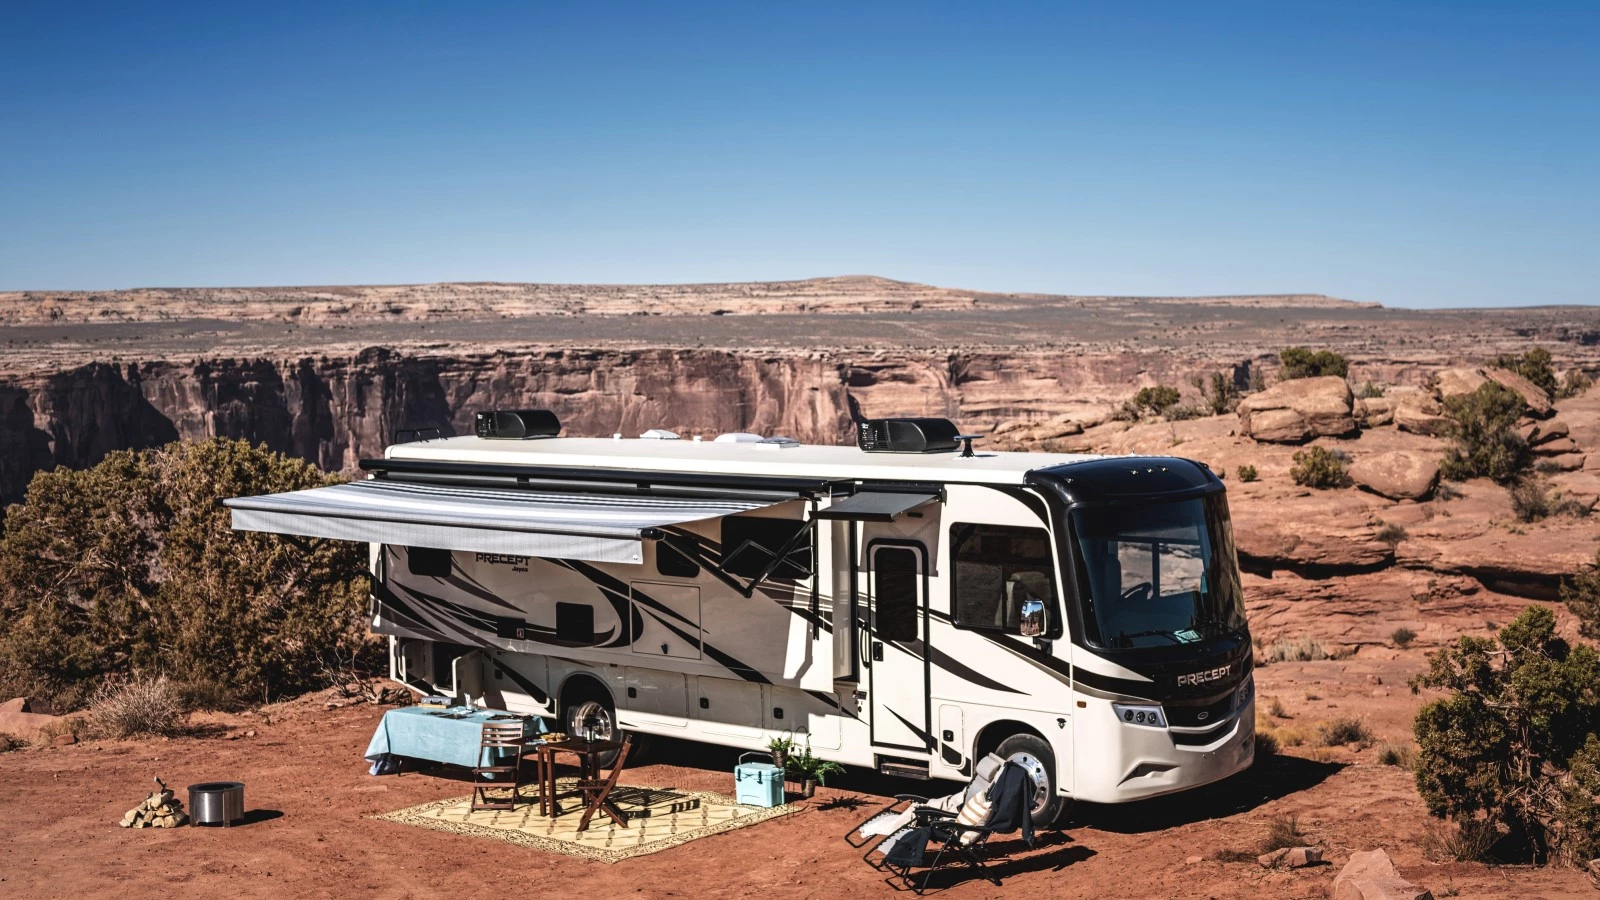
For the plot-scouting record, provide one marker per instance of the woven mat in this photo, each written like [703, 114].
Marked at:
[658, 819]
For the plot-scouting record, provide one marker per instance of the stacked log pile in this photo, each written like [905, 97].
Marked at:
[162, 809]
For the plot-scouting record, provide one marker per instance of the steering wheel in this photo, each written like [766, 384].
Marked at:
[1139, 592]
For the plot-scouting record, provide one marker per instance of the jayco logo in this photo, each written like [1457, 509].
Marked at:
[1203, 677]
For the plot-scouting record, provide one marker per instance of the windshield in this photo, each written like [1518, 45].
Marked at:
[1158, 574]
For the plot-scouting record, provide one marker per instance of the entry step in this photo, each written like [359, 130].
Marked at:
[904, 768]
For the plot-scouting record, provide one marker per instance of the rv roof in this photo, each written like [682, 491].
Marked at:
[803, 461]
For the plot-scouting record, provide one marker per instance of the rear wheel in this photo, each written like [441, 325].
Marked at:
[591, 706]
[1035, 757]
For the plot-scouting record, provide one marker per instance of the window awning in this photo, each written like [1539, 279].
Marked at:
[876, 506]
[593, 527]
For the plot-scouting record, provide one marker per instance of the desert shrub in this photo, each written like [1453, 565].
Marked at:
[1155, 400]
[1533, 365]
[10, 742]
[1573, 384]
[1218, 394]
[1248, 473]
[1182, 412]
[1513, 743]
[1397, 755]
[1402, 636]
[1296, 650]
[1300, 362]
[1581, 593]
[1276, 710]
[1391, 533]
[1319, 467]
[1468, 841]
[1483, 427]
[1344, 731]
[1370, 390]
[139, 707]
[130, 567]
[1532, 500]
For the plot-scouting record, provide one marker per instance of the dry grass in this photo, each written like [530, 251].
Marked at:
[1399, 755]
[1302, 650]
[1460, 841]
[143, 707]
[10, 742]
[1283, 830]
[1340, 732]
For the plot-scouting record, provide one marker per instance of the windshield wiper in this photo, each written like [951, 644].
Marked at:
[1124, 636]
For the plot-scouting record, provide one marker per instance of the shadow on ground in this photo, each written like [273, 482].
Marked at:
[1271, 778]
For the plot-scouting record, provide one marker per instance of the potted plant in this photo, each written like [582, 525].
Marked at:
[781, 747]
[812, 770]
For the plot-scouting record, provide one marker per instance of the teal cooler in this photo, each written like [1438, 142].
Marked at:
[757, 783]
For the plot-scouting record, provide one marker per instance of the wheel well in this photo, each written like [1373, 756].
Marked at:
[582, 687]
[990, 738]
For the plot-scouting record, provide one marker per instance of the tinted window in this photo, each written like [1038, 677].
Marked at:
[575, 623]
[896, 578]
[997, 568]
[670, 562]
[750, 543]
[428, 561]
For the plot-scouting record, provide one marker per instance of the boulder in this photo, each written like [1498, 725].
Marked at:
[1565, 462]
[1372, 876]
[1538, 401]
[1397, 474]
[1277, 426]
[1457, 382]
[16, 705]
[1536, 433]
[1323, 406]
[1556, 446]
[1420, 415]
[1371, 412]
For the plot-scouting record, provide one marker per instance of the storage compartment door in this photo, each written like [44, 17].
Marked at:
[666, 620]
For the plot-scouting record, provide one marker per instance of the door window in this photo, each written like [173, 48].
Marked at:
[896, 587]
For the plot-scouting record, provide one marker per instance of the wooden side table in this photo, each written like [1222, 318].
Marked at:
[588, 754]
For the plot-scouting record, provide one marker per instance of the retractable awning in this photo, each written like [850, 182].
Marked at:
[876, 506]
[593, 527]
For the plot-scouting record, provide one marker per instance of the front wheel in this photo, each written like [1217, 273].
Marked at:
[1035, 757]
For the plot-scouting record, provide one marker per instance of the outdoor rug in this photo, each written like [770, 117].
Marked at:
[658, 819]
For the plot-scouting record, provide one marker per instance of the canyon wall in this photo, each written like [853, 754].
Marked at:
[334, 410]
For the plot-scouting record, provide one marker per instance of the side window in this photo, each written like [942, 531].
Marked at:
[749, 543]
[897, 589]
[998, 568]
[428, 561]
[673, 564]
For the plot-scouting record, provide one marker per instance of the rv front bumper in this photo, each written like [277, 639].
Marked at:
[1142, 762]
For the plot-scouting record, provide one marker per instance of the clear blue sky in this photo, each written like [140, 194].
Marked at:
[1415, 154]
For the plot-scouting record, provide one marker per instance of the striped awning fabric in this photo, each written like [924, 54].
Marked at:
[595, 527]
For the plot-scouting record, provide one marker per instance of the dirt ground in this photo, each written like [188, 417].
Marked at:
[310, 831]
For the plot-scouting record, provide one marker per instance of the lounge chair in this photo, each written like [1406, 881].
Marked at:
[899, 837]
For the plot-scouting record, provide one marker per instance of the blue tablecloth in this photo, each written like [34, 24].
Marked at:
[418, 733]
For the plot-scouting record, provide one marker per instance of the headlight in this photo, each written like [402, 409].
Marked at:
[1246, 692]
[1139, 714]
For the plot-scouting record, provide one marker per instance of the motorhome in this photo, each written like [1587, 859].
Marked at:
[906, 604]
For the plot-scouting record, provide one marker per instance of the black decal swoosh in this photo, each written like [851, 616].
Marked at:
[528, 687]
[927, 739]
[946, 662]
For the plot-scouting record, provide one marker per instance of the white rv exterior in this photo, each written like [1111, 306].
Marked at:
[891, 636]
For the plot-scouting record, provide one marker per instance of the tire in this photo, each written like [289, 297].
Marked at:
[1034, 755]
[587, 702]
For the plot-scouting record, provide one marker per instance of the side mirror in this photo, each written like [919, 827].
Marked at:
[1032, 621]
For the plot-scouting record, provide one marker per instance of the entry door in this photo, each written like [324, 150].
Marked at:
[895, 651]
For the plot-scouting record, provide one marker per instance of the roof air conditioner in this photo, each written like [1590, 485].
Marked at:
[907, 436]
[517, 424]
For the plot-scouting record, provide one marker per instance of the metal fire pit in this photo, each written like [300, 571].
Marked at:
[216, 803]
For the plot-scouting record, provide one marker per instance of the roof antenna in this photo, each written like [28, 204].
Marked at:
[966, 444]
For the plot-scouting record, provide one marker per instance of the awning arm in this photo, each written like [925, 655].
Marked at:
[694, 551]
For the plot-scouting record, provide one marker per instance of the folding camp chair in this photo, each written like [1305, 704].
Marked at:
[597, 792]
[956, 827]
[500, 750]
